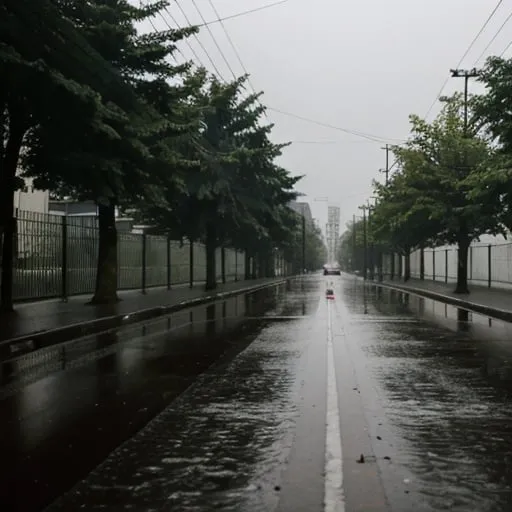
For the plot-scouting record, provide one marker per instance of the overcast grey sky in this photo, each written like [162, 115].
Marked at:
[361, 65]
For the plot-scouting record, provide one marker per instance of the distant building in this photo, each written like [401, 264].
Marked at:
[303, 209]
[89, 210]
[72, 208]
[332, 230]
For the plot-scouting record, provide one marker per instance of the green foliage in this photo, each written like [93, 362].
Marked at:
[493, 115]
[351, 246]
[44, 63]
[429, 200]
[313, 243]
[493, 109]
[401, 219]
[115, 159]
[103, 114]
[235, 195]
[316, 251]
[433, 199]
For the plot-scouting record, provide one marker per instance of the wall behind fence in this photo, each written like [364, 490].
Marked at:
[488, 264]
[56, 256]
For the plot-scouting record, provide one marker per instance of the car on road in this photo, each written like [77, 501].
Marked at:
[332, 270]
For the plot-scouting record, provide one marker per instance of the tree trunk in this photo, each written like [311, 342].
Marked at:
[407, 267]
[271, 264]
[262, 265]
[223, 264]
[392, 269]
[255, 266]
[8, 167]
[211, 261]
[268, 264]
[462, 267]
[380, 267]
[422, 263]
[106, 273]
[247, 258]
[371, 261]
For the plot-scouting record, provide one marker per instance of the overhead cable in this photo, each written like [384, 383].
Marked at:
[468, 49]
[213, 38]
[374, 138]
[243, 13]
[494, 38]
[219, 74]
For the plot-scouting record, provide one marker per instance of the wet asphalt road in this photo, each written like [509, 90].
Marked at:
[266, 402]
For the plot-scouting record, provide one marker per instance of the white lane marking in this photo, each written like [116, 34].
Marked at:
[334, 500]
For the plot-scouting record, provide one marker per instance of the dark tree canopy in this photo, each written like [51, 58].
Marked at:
[115, 120]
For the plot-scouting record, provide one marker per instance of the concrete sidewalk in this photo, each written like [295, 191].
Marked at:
[38, 324]
[494, 302]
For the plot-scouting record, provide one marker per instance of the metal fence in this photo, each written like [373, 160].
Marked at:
[488, 264]
[56, 256]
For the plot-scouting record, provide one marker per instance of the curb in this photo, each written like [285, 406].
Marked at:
[500, 314]
[32, 342]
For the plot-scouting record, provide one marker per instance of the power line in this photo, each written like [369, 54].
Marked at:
[468, 49]
[213, 37]
[494, 38]
[243, 13]
[198, 40]
[438, 95]
[194, 53]
[230, 41]
[244, 69]
[374, 138]
[489, 18]
[506, 48]
[218, 20]
[156, 31]
[332, 142]
[228, 37]
[190, 46]
[369, 137]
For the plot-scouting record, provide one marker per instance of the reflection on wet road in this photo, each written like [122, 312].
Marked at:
[444, 382]
[66, 408]
[242, 404]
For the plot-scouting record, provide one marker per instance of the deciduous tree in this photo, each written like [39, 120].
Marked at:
[126, 162]
[431, 199]
[46, 68]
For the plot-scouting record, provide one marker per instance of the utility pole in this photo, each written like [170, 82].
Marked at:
[466, 74]
[303, 244]
[372, 253]
[353, 243]
[386, 170]
[461, 268]
[365, 250]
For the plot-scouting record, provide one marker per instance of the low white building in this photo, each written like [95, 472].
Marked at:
[30, 199]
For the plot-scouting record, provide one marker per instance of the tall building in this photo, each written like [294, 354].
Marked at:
[332, 231]
[303, 208]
